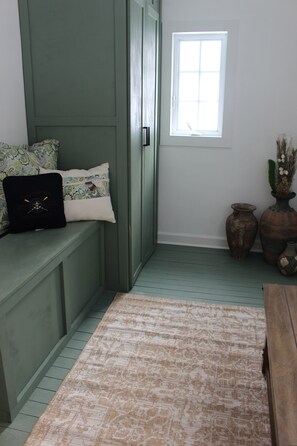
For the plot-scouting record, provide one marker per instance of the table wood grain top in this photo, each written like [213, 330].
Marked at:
[281, 332]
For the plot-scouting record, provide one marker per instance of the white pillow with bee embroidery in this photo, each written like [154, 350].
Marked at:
[86, 193]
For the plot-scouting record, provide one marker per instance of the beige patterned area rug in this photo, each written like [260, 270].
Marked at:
[164, 372]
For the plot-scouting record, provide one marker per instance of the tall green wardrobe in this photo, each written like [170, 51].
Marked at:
[91, 81]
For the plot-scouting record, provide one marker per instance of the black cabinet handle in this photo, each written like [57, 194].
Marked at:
[146, 136]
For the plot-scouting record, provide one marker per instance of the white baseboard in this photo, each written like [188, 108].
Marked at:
[170, 238]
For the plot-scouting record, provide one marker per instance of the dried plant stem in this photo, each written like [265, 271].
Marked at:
[286, 165]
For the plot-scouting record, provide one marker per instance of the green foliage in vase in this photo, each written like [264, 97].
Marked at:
[272, 174]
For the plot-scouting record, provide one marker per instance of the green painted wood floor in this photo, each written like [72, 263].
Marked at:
[207, 275]
[200, 274]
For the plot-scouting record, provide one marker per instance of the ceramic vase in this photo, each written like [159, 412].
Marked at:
[277, 226]
[287, 261]
[241, 229]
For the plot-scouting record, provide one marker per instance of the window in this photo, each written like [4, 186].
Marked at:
[198, 81]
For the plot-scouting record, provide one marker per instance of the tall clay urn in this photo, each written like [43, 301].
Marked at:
[277, 226]
[241, 229]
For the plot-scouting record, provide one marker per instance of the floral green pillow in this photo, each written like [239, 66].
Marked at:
[24, 160]
[46, 152]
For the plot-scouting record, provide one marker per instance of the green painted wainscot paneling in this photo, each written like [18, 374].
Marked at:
[46, 289]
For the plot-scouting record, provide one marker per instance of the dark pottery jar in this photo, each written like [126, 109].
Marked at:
[287, 261]
[241, 229]
[277, 226]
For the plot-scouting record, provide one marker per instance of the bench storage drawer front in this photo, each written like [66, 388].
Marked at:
[82, 267]
[43, 298]
[33, 328]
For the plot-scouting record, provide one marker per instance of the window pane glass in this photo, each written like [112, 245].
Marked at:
[187, 116]
[208, 116]
[188, 86]
[211, 55]
[189, 55]
[197, 75]
[209, 87]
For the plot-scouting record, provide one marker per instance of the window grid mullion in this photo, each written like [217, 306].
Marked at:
[199, 88]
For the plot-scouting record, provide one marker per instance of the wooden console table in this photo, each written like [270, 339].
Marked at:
[280, 361]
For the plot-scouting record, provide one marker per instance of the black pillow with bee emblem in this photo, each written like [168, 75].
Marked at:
[34, 202]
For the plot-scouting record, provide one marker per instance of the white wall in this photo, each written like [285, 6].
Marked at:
[198, 185]
[12, 104]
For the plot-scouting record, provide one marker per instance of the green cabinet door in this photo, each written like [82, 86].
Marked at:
[136, 23]
[144, 50]
[150, 133]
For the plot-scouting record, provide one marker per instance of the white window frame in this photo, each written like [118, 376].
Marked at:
[203, 26]
[177, 38]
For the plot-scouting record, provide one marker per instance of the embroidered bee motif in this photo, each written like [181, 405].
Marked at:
[36, 205]
[91, 185]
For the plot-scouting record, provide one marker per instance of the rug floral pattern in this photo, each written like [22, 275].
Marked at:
[164, 372]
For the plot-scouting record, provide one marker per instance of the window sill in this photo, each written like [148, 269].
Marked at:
[196, 141]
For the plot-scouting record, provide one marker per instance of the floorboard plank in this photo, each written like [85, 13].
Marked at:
[12, 437]
[64, 363]
[48, 383]
[76, 344]
[56, 372]
[196, 288]
[88, 325]
[81, 336]
[23, 423]
[42, 395]
[219, 284]
[33, 408]
[96, 315]
[70, 353]
[201, 297]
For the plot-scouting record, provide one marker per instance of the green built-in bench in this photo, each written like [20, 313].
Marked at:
[48, 281]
